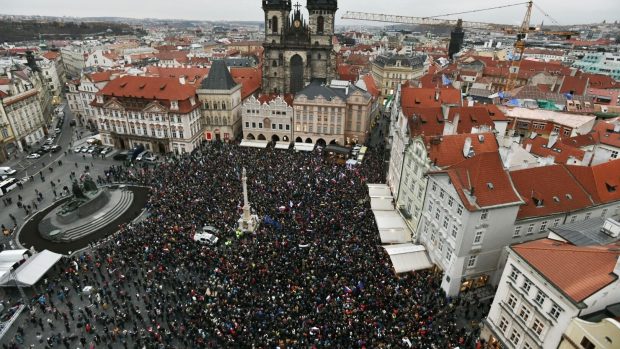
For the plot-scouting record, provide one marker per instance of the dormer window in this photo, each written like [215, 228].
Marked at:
[174, 105]
[610, 187]
[99, 99]
[192, 101]
[538, 202]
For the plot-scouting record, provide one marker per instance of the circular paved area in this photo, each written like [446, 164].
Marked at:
[29, 235]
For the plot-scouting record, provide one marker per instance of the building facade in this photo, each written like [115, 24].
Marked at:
[391, 71]
[536, 300]
[82, 93]
[268, 118]
[220, 98]
[297, 50]
[161, 114]
[336, 114]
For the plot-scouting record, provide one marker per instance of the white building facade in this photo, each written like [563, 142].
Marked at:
[271, 120]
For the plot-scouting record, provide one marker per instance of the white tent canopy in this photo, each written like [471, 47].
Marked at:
[304, 146]
[408, 257]
[8, 258]
[381, 203]
[282, 145]
[375, 190]
[33, 269]
[254, 144]
[392, 227]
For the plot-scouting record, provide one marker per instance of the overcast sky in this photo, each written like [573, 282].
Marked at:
[564, 11]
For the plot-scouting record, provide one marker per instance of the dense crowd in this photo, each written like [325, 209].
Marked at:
[313, 275]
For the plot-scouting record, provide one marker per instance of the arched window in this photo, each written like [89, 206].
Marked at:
[274, 64]
[274, 25]
[320, 25]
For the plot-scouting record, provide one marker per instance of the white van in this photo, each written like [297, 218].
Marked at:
[7, 171]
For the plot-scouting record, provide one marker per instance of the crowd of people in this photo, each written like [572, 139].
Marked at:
[313, 275]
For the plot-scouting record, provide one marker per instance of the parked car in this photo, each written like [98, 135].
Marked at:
[77, 149]
[106, 150]
[57, 130]
[56, 148]
[49, 141]
[86, 149]
[33, 156]
[141, 155]
[121, 156]
[206, 238]
[91, 149]
[7, 171]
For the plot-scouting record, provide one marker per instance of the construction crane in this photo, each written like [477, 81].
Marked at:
[521, 31]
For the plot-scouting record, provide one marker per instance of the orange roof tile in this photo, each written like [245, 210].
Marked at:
[560, 151]
[576, 85]
[169, 89]
[100, 76]
[448, 150]
[606, 133]
[425, 97]
[429, 121]
[51, 55]
[577, 271]
[548, 190]
[484, 175]
[581, 141]
[250, 78]
[602, 181]
[371, 85]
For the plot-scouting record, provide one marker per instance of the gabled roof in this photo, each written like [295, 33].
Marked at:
[430, 121]
[250, 79]
[268, 98]
[483, 176]
[371, 85]
[602, 181]
[219, 77]
[578, 272]
[606, 133]
[548, 190]
[576, 85]
[100, 76]
[581, 141]
[148, 88]
[448, 150]
[429, 97]
[560, 151]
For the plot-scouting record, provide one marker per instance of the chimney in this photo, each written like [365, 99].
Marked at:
[467, 147]
[182, 79]
[617, 267]
[528, 148]
[553, 139]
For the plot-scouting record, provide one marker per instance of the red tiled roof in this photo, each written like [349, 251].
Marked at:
[602, 181]
[601, 81]
[581, 141]
[100, 76]
[169, 89]
[348, 72]
[550, 187]
[430, 121]
[560, 150]
[483, 174]
[606, 134]
[448, 150]
[577, 85]
[179, 56]
[425, 97]
[371, 85]
[250, 79]
[600, 96]
[193, 75]
[51, 55]
[577, 271]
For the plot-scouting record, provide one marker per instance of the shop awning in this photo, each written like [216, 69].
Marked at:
[32, 270]
[282, 145]
[254, 144]
[375, 190]
[392, 227]
[381, 203]
[304, 146]
[338, 149]
[408, 257]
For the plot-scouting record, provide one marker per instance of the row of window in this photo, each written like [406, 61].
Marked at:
[274, 126]
[518, 232]
[324, 129]
[554, 310]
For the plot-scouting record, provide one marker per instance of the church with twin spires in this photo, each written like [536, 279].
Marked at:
[298, 50]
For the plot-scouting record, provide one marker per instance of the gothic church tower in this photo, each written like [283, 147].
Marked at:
[298, 51]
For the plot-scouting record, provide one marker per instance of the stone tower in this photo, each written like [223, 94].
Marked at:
[297, 51]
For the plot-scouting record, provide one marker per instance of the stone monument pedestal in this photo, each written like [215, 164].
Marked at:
[248, 222]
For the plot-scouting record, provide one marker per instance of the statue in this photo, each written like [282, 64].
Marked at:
[77, 191]
[89, 184]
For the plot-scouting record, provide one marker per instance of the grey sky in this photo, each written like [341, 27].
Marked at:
[564, 11]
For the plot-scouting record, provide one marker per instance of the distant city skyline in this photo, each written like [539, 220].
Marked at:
[250, 10]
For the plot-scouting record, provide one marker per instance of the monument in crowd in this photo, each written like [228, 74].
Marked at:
[88, 210]
[248, 222]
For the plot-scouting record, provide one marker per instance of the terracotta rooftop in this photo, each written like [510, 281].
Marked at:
[429, 97]
[430, 121]
[574, 85]
[607, 134]
[148, 88]
[602, 181]
[548, 190]
[267, 98]
[560, 151]
[578, 272]
[51, 55]
[371, 85]
[483, 176]
[100, 76]
[448, 150]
